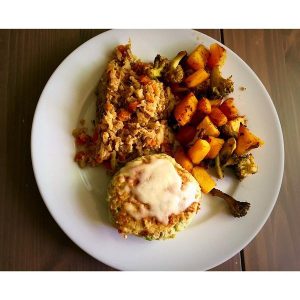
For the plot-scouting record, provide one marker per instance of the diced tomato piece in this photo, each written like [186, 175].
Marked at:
[144, 79]
[132, 106]
[123, 115]
[122, 49]
[80, 156]
[108, 106]
[96, 134]
[151, 143]
[82, 139]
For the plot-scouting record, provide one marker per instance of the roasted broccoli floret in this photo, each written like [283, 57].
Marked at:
[169, 71]
[174, 72]
[219, 86]
[238, 209]
[227, 150]
[246, 166]
[231, 161]
[159, 65]
[219, 170]
[231, 128]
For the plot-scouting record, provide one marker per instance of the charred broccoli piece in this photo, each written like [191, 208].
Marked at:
[227, 150]
[218, 168]
[158, 66]
[231, 128]
[246, 166]
[238, 209]
[174, 72]
[169, 71]
[219, 86]
[232, 160]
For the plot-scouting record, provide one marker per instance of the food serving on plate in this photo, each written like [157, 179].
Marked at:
[132, 115]
[153, 197]
[179, 108]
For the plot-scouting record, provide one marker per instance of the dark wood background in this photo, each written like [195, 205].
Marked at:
[29, 237]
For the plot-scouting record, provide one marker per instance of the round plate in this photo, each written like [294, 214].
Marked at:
[76, 198]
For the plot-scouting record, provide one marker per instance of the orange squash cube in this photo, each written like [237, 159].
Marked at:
[204, 179]
[198, 151]
[247, 141]
[217, 117]
[196, 78]
[185, 109]
[229, 109]
[216, 145]
[185, 134]
[198, 58]
[183, 159]
[217, 56]
[204, 106]
[209, 128]
[215, 103]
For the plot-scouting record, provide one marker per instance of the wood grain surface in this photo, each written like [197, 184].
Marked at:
[275, 57]
[29, 237]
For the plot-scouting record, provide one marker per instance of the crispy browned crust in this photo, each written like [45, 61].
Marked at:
[149, 228]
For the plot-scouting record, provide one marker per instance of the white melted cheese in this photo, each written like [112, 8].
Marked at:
[160, 188]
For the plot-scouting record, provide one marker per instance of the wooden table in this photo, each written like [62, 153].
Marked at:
[29, 237]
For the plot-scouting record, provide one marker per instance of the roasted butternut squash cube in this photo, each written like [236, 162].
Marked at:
[208, 127]
[185, 109]
[247, 141]
[217, 56]
[196, 78]
[198, 58]
[197, 118]
[216, 145]
[185, 134]
[215, 102]
[198, 151]
[204, 179]
[217, 117]
[183, 159]
[229, 109]
[204, 106]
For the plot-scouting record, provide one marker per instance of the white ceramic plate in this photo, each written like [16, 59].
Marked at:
[76, 198]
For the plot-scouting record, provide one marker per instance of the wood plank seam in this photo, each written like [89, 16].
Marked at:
[242, 259]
